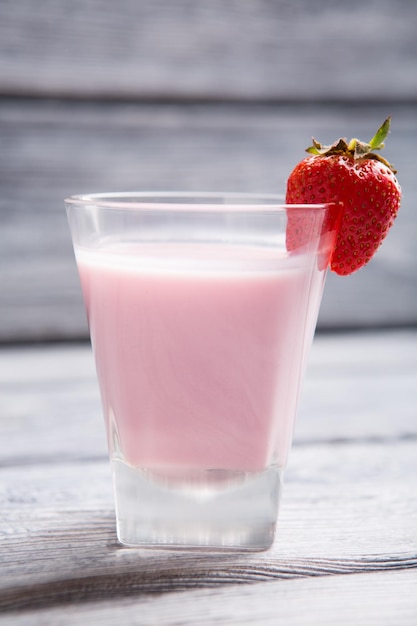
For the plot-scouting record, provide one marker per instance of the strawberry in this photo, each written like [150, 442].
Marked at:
[365, 192]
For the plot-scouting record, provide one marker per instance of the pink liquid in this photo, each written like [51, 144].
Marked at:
[198, 357]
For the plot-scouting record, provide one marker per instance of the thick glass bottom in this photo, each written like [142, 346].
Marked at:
[207, 509]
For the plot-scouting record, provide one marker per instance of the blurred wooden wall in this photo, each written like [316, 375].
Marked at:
[192, 95]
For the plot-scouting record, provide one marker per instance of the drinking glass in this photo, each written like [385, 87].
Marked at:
[201, 316]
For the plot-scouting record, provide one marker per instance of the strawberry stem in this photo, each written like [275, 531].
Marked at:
[377, 141]
[357, 149]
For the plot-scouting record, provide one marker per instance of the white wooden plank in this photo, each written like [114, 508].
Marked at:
[50, 150]
[302, 49]
[376, 599]
[346, 509]
[358, 387]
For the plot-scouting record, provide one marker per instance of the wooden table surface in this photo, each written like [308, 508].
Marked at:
[346, 547]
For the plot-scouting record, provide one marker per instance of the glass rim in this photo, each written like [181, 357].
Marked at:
[187, 201]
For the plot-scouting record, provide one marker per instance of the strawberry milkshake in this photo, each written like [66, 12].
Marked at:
[200, 322]
[196, 363]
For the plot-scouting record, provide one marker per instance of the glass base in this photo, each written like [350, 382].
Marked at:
[206, 509]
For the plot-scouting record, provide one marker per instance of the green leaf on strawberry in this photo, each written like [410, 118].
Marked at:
[364, 193]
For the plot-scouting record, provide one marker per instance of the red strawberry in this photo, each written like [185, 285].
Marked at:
[364, 189]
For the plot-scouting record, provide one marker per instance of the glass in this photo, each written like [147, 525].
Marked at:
[200, 321]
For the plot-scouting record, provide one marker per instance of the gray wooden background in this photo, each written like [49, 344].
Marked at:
[97, 95]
